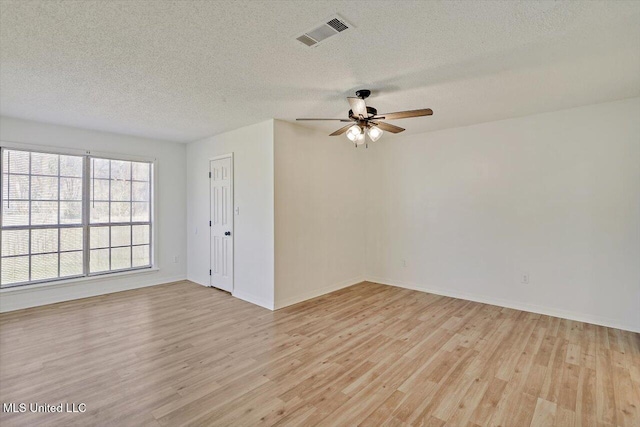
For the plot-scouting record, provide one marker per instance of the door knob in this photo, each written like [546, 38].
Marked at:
[227, 233]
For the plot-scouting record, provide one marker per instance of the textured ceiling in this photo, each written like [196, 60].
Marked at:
[183, 70]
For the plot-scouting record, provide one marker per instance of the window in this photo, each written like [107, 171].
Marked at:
[66, 216]
[120, 215]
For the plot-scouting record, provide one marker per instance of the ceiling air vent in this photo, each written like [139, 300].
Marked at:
[332, 26]
[337, 25]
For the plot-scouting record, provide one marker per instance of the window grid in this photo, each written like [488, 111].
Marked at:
[111, 223]
[130, 213]
[59, 236]
[29, 223]
[85, 223]
[54, 252]
[110, 198]
[29, 226]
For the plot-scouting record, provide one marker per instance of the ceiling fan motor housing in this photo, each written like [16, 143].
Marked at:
[363, 93]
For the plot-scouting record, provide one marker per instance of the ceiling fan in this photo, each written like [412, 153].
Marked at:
[366, 120]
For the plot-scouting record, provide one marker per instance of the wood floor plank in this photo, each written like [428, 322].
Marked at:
[544, 414]
[370, 354]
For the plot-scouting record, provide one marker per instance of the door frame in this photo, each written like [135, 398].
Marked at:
[233, 219]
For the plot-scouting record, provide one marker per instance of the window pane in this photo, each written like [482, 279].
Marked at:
[99, 189]
[70, 264]
[140, 191]
[44, 266]
[71, 166]
[140, 256]
[70, 212]
[71, 239]
[44, 240]
[121, 236]
[15, 213]
[99, 211]
[120, 258]
[15, 161]
[44, 164]
[120, 170]
[15, 242]
[44, 188]
[98, 260]
[140, 171]
[121, 190]
[120, 212]
[140, 212]
[140, 234]
[99, 168]
[15, 187]
[15, 270]
[70, 188]
[43, 213]
[99, 237]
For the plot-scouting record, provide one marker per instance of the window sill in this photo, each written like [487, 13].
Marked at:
[70, 282]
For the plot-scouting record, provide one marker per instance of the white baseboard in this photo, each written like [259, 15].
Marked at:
[244, 296]
[18, 299]
[198, 282]
[317, 292]
[253, 299]
[579, 317]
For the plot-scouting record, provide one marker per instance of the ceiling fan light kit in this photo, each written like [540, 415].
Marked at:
[366, 120]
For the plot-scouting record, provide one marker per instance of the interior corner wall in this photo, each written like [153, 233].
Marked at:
[467, 212]
[170, 206]
[252, 148]
[319, 213]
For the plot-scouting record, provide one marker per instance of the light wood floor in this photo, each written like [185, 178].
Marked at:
[366, 355]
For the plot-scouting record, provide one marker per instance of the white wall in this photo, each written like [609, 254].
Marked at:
[252, 147]
[461, 212]
[555, 195]
[170, 204]
[319, 213]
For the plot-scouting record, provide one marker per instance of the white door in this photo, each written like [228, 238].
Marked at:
[221, 179]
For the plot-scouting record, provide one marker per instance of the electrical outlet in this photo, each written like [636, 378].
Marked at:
[176, 259]
[525, 278]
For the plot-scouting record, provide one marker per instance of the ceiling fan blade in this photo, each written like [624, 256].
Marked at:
[340, 120]
[358, 107]
[388, 127]
[405, 114]
[341, 130]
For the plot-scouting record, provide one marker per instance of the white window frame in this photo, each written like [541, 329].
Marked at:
[86, 223]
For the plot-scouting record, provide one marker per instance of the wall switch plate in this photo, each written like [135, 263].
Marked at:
[237, 210]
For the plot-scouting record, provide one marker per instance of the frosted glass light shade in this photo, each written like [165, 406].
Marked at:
[374, 133]
[354, 132]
